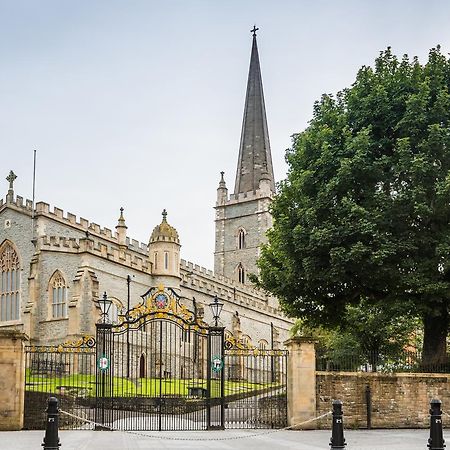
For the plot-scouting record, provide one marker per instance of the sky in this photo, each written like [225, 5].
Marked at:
[138, 104]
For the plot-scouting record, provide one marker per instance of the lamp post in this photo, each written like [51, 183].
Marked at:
[128, 325]
[216, 309]
[103, 330]
[215, 355]
[105, 304]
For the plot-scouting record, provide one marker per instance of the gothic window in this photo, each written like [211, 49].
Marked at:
[241, 273]
[9, 283]
[241, 239]
[156, 260]
[58, 295]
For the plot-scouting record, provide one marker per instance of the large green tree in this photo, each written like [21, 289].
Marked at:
[364, 212]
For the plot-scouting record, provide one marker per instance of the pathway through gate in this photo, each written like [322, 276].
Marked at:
[161, 368]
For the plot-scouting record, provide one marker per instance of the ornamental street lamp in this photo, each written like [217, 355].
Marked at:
[216, 309]
[105, 304]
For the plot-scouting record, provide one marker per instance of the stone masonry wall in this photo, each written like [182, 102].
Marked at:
[398, 400]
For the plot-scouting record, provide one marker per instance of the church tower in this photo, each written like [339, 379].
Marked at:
[243, 218]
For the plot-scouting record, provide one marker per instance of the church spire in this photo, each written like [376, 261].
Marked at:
[255, 159]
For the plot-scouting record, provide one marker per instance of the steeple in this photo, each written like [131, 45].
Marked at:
[255, 159]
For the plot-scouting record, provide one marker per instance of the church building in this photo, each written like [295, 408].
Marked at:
[55, 266]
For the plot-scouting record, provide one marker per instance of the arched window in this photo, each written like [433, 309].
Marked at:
[241, 239]
[156, 260]
[9, 283]
[166, 260]
[241, 273]
[263, 344]
[58, 296]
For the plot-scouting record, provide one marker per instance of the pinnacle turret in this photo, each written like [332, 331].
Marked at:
[121, 229]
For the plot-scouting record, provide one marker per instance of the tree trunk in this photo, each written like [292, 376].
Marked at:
[435, 329]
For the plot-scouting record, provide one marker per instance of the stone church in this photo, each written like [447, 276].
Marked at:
[55, 266]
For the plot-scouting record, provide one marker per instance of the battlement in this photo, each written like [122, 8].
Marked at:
[19, 203]
[205, 280]
[127, 257]
[244, 197]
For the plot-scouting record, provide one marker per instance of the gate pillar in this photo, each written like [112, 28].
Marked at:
[215, 381]
[12, 379]
[301, 382]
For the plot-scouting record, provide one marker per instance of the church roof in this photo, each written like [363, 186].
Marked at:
[164, 231]
[255, 159]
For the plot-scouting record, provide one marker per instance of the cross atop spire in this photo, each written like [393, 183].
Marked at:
[254, 30]
[255, 158]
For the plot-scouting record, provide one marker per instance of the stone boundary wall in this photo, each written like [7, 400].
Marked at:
[399, 400]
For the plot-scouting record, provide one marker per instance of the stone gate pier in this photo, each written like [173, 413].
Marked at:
[301, 382]
[12, 379]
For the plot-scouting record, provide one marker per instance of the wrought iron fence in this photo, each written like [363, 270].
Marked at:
[407, 361]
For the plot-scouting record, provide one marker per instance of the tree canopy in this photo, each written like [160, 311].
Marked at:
[364, 211]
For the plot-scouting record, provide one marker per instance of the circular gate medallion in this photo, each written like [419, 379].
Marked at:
[103, 363]
[216, 364]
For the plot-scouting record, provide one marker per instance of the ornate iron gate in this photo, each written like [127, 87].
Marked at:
[259, 381]
[155, 368]
[66, 371]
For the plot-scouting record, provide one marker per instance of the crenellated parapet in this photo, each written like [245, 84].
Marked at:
[204, 280]
[43, 209]
[95, 247]
[245, 197]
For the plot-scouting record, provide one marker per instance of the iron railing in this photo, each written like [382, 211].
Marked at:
[407, 361]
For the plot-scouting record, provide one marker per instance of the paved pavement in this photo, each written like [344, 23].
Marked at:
[220, 440]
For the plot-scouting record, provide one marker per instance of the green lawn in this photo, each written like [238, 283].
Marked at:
[85, 385]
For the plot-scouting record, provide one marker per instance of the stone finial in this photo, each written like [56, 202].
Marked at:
[121, 220]
[164, 214]
[222, 191]
[11, 178]
[121, 230]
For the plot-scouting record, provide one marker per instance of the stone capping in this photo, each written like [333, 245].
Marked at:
[300, 340]
[389, 375]
[13, 334]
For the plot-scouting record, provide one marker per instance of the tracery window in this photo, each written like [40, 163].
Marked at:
[241, 273]
[58, 296]
[9, 283]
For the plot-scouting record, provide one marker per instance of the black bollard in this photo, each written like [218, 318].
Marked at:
[337, 432]
[51, 439]
[436, 440]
